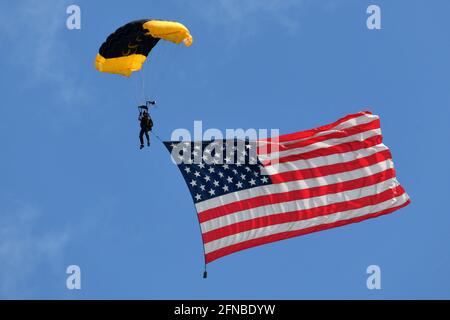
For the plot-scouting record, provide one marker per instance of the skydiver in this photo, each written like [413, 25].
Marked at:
[146, 123]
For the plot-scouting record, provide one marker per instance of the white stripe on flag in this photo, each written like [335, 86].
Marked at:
[302, 204]
[362, 119]
[322, 144]
[303, 224]
[293, 185]
[367, 118]
[323, 160]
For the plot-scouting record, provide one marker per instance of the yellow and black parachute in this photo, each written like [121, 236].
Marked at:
[125, 50]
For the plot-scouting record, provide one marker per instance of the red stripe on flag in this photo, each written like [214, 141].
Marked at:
[310, 173]
[340, 148]
[279, 218]
[210, 257]
[294, 195]
[334, 135]
[311, 132]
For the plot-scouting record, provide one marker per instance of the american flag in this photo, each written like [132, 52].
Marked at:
[249, 193]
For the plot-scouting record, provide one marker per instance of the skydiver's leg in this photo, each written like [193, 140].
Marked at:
[148, 138]
[141, 137]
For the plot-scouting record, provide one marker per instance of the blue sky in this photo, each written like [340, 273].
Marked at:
[75, 189]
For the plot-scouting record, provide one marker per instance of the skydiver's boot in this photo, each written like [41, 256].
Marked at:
[141, 147]
[148, 143]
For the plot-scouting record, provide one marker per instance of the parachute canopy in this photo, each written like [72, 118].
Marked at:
[125, 50]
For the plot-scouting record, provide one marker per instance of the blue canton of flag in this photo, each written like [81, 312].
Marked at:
[215, 168]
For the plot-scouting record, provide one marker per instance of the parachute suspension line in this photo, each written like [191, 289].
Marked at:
[149, 72]
[135, 94]
[144, 97]
[168, 66]
[164, 54]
